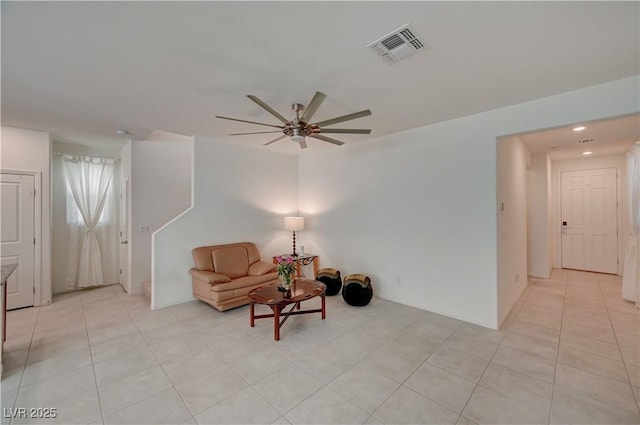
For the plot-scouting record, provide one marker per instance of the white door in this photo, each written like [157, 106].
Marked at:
[17, 236]
[589, 220]
[124, 232]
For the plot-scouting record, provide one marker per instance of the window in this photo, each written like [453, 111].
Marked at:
[92, 179]
[75, 217]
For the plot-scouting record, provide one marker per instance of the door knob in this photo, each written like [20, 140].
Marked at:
[124, 242]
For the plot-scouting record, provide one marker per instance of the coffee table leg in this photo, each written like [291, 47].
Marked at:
[324, 314]
[276, 322]
[251, 315]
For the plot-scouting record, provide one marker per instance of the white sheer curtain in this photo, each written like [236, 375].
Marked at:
[91, 219]
[631, 273]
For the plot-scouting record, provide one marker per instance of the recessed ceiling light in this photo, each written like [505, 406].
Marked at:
[122, 132]
[587, 153]
[579, 128]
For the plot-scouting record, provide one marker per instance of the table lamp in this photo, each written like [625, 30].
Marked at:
[293, 224]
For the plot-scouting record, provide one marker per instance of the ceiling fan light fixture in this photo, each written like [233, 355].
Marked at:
[296, 134]
[302, 126]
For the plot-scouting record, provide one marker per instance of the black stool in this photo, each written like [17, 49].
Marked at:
[357, 290]
[331, 278]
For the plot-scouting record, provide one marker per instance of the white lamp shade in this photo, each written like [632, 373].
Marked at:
[294, 223]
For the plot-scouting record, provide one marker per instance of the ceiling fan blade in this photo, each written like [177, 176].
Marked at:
[250, 122]
[313, 106]
[343, 118]
[267, 108]
[303, 144]
[275, 140]
[327, 139]
[256, 132]
[345, 130]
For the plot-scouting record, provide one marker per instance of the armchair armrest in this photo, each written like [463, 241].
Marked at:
[209, 277]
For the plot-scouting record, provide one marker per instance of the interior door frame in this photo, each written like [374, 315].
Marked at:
[619, 209]
[125, 182]
[37, 230]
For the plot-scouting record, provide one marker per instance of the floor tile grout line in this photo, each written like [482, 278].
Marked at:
[382, 343]
[26, 360]
[24, 366]
[626, 369]
[95, 377]
[133, 373]
[402, 384]
[526, 296]
[249, 385]
[591, 397]
[345, 371]
[95, 382]
[158, 364]
[555, 365]
[96, 389]
[371, 415]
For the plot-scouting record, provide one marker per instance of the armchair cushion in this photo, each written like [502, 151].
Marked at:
[243, 282]
[261, 267]
[232, 261]
[209, 277]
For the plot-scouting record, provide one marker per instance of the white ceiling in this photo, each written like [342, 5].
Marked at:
[83, 70]
[604, 137]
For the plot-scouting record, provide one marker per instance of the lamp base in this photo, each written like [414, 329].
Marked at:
[295, 254]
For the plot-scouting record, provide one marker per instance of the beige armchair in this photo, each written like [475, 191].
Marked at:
[224, 274]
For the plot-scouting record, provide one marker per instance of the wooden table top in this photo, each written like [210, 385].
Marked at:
[301, 289]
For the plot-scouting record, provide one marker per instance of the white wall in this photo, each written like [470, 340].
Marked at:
[60, 234]
[615, 161]
[513, 159]
[539, 245]
[395, 207]
[30, 151]
[421, 205]
[240, 194]
[160, 186]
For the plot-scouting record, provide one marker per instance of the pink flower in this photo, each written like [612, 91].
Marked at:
[279, 258]
[289, 260]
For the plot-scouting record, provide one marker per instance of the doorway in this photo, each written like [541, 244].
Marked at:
[589, 216]
[18, 236]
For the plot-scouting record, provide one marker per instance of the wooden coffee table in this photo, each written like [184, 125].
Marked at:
[301, 290]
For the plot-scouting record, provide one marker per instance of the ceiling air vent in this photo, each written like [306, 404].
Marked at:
[398, 44]
[580, 142]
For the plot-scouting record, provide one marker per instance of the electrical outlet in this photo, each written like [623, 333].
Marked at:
[144, 229]
[398, 280]
[517, 278]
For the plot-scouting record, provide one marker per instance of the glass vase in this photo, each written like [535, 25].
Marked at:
[285, 280]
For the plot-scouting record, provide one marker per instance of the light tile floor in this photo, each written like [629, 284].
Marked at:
[568, 354]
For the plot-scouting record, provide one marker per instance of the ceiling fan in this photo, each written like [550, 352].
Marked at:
[300, 127]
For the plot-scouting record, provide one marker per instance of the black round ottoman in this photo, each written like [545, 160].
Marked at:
[331, 278]
[357, 290]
